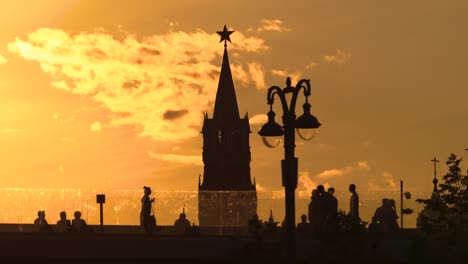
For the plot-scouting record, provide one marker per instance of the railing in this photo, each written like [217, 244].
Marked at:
[122, 207]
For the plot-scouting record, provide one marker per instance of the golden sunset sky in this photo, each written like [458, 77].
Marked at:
[111, 93]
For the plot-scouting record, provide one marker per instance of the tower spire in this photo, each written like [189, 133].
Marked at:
[435, 181]
[226, 110]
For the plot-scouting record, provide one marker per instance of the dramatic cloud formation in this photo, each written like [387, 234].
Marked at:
[182, 159]
[339, 57]
[150, 84]
[272, 25]
[2, 59]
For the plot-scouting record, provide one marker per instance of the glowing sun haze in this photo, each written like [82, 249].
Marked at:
[150, 84]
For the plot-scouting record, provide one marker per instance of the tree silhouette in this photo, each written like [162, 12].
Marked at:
[455, 194]
[448, 206]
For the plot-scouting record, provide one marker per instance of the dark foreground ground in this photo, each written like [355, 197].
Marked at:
[134, 247]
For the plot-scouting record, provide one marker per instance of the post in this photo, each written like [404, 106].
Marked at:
[290, 183]
[289, 164]
[101, 199]
[401, 203]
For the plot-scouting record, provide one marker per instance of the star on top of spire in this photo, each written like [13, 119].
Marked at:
[225, 35]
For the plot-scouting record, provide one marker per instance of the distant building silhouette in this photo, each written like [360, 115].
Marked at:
[227, 196]
[433, 217]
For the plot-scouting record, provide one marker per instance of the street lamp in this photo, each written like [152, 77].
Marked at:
[272, 134]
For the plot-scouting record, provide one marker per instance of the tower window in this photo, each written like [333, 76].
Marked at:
[219, 136]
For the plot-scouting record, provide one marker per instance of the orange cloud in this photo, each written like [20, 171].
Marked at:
[183, 159]
[295, 76]
[258, 119]
[258, 77]
[334, 173]
[306, 185]
[150, 84]
[272, 25]
[390, 180]
[385, 183]
[363, 165]
[340, 57]
[311, 65]
[305, 182]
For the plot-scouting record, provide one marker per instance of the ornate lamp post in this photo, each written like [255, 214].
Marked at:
[272, 134]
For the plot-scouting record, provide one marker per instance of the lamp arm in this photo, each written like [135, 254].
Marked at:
[296, 91]
[278, 91]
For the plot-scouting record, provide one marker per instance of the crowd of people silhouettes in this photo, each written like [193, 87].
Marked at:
[323, 210]
[323, 216]
[63, 225]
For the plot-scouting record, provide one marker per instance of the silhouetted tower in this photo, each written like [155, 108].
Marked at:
[226, 196]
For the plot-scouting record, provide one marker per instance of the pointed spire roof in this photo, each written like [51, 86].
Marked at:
[225, 110]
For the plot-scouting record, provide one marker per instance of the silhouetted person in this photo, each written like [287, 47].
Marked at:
[181, 225]
[385, 216]
[354, 204]
[332, 209]
[147, 221]
[78, 224]
[40, 224]
[323, 208]
[376, 223]
[63, 225]
[303, 226]
[314, 210]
